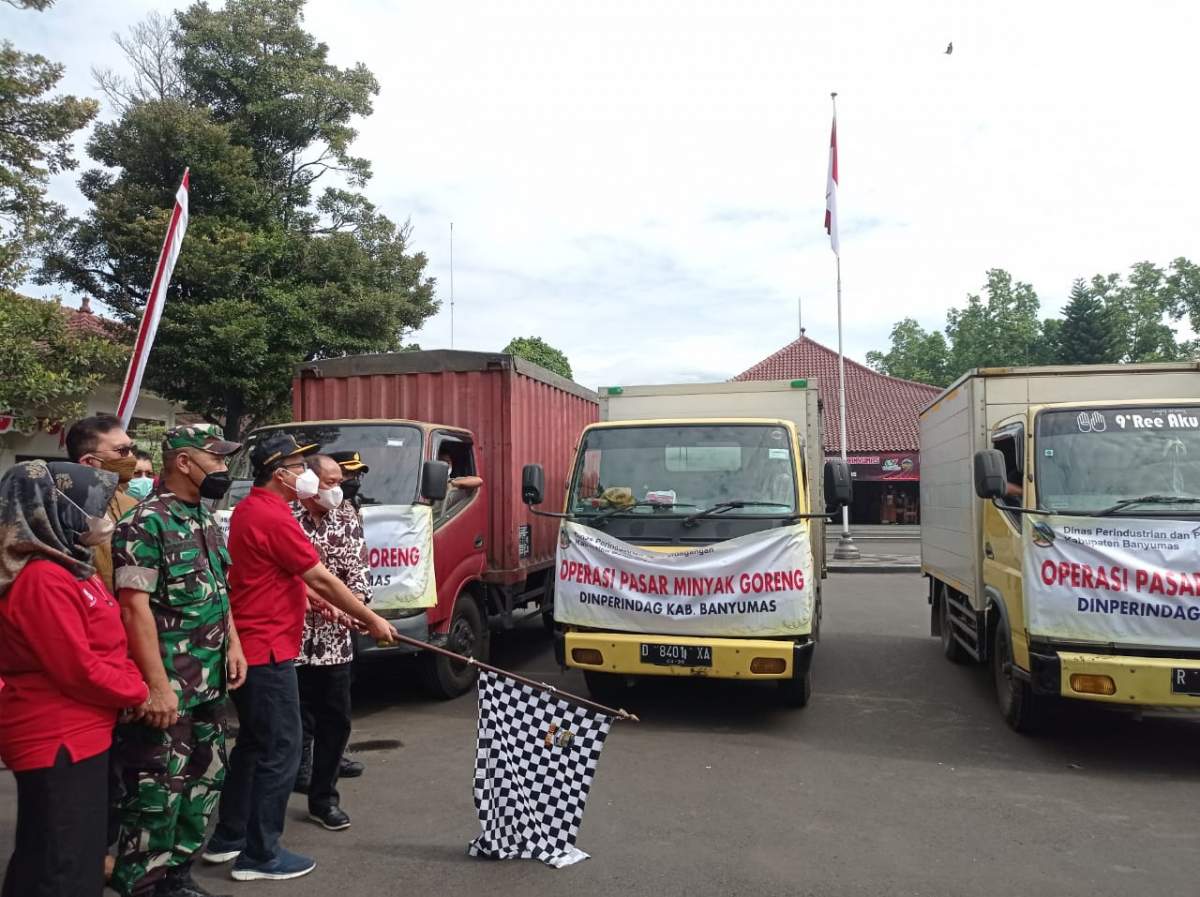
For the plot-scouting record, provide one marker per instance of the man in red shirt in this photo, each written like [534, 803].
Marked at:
[273, 566]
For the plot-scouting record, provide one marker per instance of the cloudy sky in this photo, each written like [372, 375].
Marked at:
[642, 183]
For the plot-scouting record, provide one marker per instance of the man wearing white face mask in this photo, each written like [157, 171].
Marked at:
[273, 567]
[327, 649]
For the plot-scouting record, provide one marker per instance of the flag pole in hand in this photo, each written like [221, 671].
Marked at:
[541, 686]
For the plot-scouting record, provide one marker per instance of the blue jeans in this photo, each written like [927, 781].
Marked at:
[263, 763]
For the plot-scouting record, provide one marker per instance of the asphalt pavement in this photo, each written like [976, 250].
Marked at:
[899, 778]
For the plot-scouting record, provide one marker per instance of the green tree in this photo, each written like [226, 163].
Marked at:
[1086, 331]
[47, 370]
[35, 142]
[537, 350]
[1183, 294]
[1138, 307]
[271, 272]
[914, 355]
[1005, 330]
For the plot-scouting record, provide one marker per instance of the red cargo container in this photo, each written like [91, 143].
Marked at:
[518, 412]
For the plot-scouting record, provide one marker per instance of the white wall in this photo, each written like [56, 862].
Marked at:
[104, 399]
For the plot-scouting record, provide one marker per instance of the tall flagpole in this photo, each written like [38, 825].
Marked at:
[451, 284]
[846, 549]
[148, 328]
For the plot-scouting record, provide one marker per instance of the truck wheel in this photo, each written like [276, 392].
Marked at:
[468, 635]
[952, 649]
[795, 692]
[1019, 706]
[548, 609]
[607, 688]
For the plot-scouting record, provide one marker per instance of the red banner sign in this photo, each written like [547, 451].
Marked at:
[885, 466]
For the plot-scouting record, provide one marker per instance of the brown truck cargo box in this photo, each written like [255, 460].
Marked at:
[519, 412]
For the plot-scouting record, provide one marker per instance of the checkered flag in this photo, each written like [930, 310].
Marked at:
[533, 769]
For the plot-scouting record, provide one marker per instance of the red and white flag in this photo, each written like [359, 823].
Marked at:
[154, 304]
[831, 186]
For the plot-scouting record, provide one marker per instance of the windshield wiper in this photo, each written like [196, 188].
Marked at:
[722, 506]
[1149, 499]
[614, 511]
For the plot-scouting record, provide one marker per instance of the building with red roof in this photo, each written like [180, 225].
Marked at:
[45, 440]
[85, 322]
[882, 442]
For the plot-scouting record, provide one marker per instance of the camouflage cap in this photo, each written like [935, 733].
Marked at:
[208, 437]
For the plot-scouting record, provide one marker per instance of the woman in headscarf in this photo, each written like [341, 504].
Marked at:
[66, 674]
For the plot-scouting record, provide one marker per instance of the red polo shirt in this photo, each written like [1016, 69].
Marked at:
[66, 671]
[269, 552]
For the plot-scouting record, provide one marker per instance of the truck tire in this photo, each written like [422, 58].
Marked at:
[796, 691]
[607, 688]
[548, 607]
[1021, 709]
[952, 649]
[445, 678]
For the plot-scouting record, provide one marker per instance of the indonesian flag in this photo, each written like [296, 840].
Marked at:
[831, 186]
[154, 305]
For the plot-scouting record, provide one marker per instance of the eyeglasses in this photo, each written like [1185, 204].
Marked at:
[300, 464]
[121, 451]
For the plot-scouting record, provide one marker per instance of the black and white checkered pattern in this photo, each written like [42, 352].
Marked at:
[530, 794]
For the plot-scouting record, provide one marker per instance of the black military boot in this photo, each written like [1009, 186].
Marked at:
[178, 882]
[349, 769]
[304, 773]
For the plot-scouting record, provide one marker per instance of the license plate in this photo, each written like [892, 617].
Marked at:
[1185, 682]
[677, 655]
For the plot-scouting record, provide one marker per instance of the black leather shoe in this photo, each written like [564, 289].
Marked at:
[176, 884]
[350, 769]
[332, 818]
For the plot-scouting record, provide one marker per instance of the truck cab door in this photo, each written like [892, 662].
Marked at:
[459, 523]
[1002, 547]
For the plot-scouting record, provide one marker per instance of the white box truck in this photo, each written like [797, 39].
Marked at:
[693, 539]
[1022, 465]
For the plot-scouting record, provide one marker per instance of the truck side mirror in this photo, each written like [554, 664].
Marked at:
[990, 478]
[435, 480]
[838, 485]
[533, 484]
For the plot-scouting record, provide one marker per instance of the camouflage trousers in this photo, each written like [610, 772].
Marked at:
[172, 781]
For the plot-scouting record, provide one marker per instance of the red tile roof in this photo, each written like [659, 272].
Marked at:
[881, 411]
[84, 322]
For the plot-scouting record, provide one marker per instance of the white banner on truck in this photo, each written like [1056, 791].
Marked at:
[755, 585]
[400, 556]
[1124, 580]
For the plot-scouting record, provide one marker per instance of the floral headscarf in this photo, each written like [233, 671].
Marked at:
[35, 521]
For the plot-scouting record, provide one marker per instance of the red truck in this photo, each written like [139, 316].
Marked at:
[493, 558]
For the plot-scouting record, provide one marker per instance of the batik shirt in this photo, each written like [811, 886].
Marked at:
[338, 538]
[175, 553]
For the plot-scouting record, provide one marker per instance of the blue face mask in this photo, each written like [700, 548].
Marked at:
[139, 487]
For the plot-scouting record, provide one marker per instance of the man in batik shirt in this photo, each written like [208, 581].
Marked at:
[327, 649]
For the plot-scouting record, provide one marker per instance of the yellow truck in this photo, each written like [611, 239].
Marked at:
[1060, 533]
[692, 536]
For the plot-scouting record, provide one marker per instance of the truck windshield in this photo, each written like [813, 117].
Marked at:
[1091, 459]
[656, 470]
[392, 452]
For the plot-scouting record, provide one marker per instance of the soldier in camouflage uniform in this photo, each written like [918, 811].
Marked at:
[170, 571]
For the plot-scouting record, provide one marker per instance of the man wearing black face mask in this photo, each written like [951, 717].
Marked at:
[170, 570]
[353, 470]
